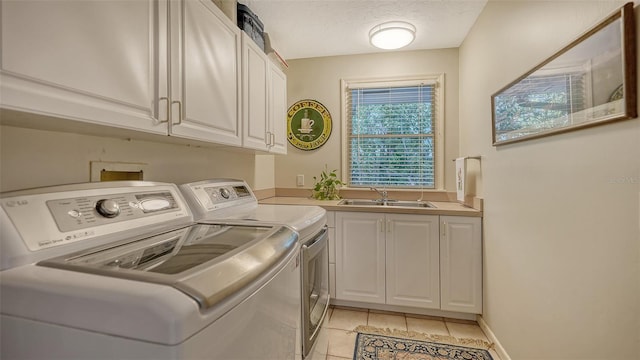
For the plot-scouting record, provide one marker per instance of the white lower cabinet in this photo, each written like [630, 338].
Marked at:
[461, 264]
[412, 263]
[387, 259]
[420, 261]
[360, 257]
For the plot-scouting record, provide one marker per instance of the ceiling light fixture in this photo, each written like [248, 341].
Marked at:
[392, 35]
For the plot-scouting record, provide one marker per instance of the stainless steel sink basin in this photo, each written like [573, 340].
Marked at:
[391, 203]
[412, 203]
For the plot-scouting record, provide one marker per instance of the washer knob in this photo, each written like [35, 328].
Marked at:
[108, 208]
[225, 193]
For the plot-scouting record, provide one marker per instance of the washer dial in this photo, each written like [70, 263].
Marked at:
[108, 208]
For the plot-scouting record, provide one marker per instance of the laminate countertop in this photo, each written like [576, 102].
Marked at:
[441, 207]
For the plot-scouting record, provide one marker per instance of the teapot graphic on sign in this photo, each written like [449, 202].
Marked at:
[306, 124]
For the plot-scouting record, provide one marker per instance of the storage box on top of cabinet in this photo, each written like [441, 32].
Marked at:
[251, 24]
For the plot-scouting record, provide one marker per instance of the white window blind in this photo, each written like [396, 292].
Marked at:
[391, 134]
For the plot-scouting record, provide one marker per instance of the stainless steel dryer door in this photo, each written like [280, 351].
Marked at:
[207, 262]
[315, 288]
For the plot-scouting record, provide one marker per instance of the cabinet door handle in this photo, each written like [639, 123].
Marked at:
[444, 228]
[164, 98]
[273, 139]
[179, 111]
[380, 225]
[268, 138]
[389, 224]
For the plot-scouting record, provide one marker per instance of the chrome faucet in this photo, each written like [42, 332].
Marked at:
[382, 193]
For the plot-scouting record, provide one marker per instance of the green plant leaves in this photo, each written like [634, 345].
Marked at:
[327, 187]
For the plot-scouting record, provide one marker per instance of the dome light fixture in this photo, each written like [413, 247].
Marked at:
[392, 35]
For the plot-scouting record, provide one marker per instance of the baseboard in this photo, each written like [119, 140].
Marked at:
[404, 309]
[492, 338]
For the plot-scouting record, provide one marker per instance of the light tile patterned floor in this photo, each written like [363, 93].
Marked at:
[342, 321]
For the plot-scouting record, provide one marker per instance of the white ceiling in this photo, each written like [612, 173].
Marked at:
[314, 28]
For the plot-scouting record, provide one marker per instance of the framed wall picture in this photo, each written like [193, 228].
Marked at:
[308, 124]
[590, 82]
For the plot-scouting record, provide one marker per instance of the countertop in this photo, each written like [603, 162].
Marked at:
[441, 207]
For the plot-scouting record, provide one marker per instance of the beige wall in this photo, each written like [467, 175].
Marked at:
[319, 79]
[562, 218]
[33, 158]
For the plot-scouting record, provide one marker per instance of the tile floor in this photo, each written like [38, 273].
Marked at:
[343, 320]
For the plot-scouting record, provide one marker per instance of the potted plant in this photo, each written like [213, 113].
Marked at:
[327, 187]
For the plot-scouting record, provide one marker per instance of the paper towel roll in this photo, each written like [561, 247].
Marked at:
[461, 174]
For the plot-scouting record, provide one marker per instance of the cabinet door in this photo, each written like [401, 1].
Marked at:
[461, 263]
[277, 109]
[360, 257]
[91, 61]
[413, 254]
[255, 65]
[205, 70]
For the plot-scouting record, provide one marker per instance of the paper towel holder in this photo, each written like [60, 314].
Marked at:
[479, 158]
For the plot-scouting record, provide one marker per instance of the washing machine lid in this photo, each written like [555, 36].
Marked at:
[206, 262]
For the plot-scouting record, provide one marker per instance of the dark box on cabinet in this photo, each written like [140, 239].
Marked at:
[249, 23]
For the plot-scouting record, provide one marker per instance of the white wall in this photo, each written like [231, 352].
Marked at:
[562, 218]
[319, 79]
[33, 158]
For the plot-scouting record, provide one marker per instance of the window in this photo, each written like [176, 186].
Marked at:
[391, 133]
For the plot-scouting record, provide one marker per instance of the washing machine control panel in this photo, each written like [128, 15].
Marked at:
[78, 213]
[43, 220]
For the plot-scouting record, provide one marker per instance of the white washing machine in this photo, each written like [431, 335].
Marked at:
[120, 271]
[233, 201]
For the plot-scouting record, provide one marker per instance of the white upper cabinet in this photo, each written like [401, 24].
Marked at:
[255, 117]
[264, 100]
[277, 110]
[163, 67]
[93, 61]
[205, 73]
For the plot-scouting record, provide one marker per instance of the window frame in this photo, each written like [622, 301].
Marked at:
[438, 137]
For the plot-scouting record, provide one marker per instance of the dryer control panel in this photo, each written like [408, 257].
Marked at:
[208, 196]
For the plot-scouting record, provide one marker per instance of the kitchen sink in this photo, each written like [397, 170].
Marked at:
[391, 203]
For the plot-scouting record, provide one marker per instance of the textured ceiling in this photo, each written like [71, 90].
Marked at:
[314, 28]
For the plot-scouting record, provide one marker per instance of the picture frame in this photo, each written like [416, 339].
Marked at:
[589, 82]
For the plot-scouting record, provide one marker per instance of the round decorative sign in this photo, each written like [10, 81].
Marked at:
[308, 124]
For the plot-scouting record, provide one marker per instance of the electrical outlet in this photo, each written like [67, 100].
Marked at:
[300, 180]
